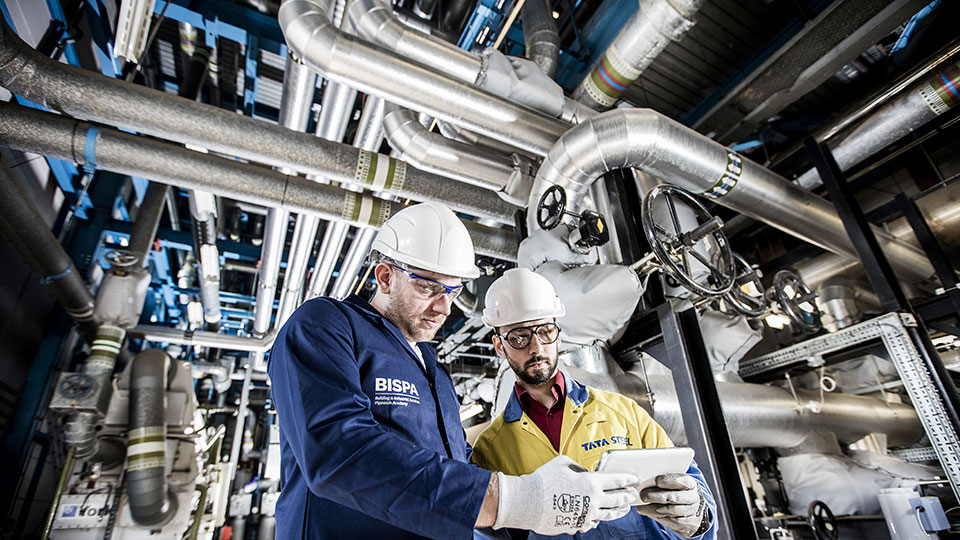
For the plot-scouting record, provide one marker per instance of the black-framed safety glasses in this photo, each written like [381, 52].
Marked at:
[431, 288]
[520, 337]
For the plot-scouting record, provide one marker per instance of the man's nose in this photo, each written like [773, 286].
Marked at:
[442, 304]
[535, 347]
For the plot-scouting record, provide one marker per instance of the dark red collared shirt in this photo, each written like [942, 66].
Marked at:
[548, 420]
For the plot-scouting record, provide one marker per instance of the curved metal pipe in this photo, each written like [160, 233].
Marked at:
[654, 25]
[348, 59]
[435, 153]
[22, 224]
[647, 140]
[151, 503]
[87, 95]
[540, 35]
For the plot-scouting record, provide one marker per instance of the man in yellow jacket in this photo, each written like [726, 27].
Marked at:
[549, 414]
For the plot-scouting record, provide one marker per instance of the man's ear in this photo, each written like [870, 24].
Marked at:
[498, 345]
[382, 273]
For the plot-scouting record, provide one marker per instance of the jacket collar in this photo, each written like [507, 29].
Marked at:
[366, 309]
[576, 392]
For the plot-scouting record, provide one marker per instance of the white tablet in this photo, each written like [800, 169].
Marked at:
[647, 463]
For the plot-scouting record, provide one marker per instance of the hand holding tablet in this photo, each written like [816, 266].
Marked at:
[647, 463]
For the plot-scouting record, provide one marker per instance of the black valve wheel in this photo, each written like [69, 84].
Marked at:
[740, 300]
[822, 521]
[796, 300]
[551, 207]
[675, 248]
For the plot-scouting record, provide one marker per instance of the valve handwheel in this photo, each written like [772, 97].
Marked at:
[742, 302]
[797, 300]
[121, 258]
[551, 208]
[822, 521]
[675, 248]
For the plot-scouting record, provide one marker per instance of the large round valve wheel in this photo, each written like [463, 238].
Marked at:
[551, 207]
[822, 521]
[797, 300]
[747, 277]
[676, 248]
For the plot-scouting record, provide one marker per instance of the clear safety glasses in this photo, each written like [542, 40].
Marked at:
[429, 288]
[519, 338]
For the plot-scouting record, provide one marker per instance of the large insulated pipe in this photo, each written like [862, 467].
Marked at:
[647, 140]
[151, 503]
[540, 36]
[22, 224]
[80, 428]
[433, 152]
[655, 24]
[371, 69]
[922, 103]
[941, 209]
[767, 416]
[87, 95]
[30, 130]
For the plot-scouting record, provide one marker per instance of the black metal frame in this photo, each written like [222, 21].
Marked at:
[880, 273]
[681, 348]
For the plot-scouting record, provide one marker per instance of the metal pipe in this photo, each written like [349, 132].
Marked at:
[299, 84]
[941, 209]
[435, 153]
[84, 94]
[654, 25]
[58, 493]
[352, 261]
[22, 224]
[351, 60]
[203, 211]
[647, 140]
[53, 135]
[369, 137]
[924, 102]
[301, 247]
[80, 427]
[151, 502]
[148, 220]
[241, 419]
[330, 248]
[540, 35]
[768, 416]
[227, 342]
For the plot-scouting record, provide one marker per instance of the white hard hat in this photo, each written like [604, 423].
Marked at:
[428, 236]
[520, 295]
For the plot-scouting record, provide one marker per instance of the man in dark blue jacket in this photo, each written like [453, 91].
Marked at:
[370, 434]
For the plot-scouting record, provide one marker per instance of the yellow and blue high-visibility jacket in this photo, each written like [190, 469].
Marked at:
[594, 421]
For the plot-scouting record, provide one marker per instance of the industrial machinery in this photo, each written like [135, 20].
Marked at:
[748, 207]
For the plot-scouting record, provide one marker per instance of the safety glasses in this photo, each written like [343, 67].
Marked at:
[519, 338]
[429, 288]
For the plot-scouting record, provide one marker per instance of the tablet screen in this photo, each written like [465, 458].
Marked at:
[647, 463]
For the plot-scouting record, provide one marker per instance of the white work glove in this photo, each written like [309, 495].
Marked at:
[676, 502]
[562, 498]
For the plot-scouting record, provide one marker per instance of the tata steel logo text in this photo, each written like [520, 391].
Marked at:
[599, 443]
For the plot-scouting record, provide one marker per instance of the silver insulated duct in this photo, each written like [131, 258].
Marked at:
[151, 503]
[647, 140]
[654, 25]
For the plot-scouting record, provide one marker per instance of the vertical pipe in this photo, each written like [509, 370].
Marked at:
[148, 219]
[540, 35]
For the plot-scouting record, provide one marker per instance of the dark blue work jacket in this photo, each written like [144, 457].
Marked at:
[371, 444]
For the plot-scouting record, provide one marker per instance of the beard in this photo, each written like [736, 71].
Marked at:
[538, 376]
[409, 321]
